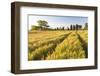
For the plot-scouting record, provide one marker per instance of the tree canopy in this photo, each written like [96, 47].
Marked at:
[42, 23]
[86, 26]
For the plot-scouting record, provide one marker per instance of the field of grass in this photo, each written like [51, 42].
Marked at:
[61, 44]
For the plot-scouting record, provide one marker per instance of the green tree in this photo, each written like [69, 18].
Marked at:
[43, 24]
[86, 26]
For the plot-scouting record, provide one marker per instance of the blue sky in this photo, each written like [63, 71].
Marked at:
[57, 21]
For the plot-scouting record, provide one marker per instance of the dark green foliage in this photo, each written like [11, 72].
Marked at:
[43, 23]
[86, 26]
[35, 27]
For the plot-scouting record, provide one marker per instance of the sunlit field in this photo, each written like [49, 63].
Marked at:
[57, 44]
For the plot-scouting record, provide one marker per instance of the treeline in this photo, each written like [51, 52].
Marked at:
[43, 25]
[72, 27]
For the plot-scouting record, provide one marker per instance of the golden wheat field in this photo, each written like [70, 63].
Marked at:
[60, 44]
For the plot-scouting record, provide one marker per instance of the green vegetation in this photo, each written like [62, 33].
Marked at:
[42, 25]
